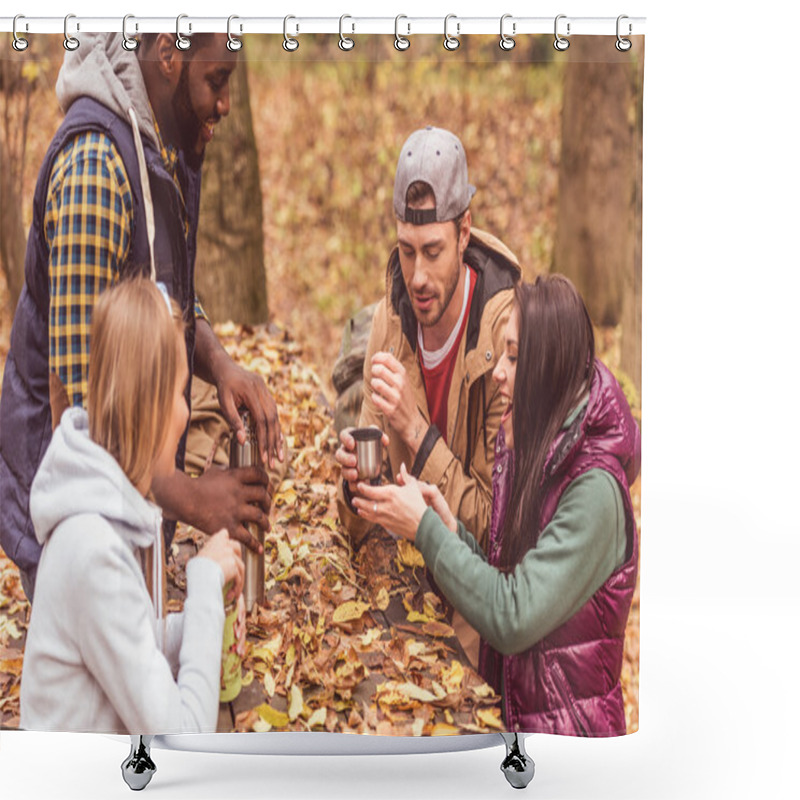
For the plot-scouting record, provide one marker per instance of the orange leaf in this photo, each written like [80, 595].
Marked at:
[439, 629]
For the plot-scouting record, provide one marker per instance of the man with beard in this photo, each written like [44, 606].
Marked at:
[118, 194]
[436, 336]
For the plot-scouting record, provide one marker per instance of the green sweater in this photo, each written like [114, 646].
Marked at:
[576, 553]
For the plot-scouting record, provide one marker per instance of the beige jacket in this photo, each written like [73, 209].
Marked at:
[462, 467]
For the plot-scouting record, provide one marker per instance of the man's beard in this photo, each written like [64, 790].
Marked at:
[447, 296]
[188, 122]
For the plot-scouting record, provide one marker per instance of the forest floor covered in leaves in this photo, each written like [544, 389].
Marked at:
[345, 642]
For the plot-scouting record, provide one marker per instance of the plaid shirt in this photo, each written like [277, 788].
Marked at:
[87, 225]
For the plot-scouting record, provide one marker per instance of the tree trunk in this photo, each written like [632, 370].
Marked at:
[15, 90]
[598, 238]
[631, 356]
[230, 278]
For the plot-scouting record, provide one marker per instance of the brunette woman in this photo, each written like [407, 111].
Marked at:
[551, 596]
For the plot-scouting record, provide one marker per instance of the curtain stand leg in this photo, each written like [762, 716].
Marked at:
[517, 766]
[138, 768]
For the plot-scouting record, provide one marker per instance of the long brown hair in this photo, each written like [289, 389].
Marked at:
[555, 365]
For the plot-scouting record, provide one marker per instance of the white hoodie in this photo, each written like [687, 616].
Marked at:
[92, 660]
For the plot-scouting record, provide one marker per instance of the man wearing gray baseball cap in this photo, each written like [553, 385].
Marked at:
[436, 336]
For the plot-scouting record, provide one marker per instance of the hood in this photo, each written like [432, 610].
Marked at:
[604, 424]
[77, 476]
[497, 268]
[101, 68]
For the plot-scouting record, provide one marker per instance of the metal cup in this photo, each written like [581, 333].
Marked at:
[369, 454]
[247, 455]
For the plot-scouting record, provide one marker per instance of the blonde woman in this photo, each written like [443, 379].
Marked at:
[101, 653]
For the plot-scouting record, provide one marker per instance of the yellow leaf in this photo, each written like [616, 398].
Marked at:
[438, 690]
[295, 702]
[318, 717]
[302, 552]
[287, 498]
[285, 554]
[409, 555]
[418, 727]
[490, 717]
[261, 726]
[248, 679]
[382, 599]
[441, 729]
[483, 691]
[268, 650]
[31, 71]
[274, 644]
[9, 627]
[415, 616]
[431, 599]
[226, 328]
[291, 655]
[349, 611]
[452, 676]
[416, 693]
[274, 717]
[269, 684]
[369, 637]
[416, 648]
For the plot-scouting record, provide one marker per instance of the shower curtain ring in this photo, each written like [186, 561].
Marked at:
[129, 43]
[400, 42]
[560, 42]
[18, 43]
[345, 42]
[451, 42]
[70, 42]
[290, 44]
[234, 44]
[181, 42]
[623, 45]
[507, 42]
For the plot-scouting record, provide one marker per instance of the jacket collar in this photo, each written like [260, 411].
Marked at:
[495, 266]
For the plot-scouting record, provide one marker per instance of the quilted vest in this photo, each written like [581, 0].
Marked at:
[25, 421]
[569, 681]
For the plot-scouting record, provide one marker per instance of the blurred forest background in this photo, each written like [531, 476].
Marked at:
[297, 186]
[297, 221]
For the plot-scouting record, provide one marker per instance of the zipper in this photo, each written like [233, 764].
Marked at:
[504, 689]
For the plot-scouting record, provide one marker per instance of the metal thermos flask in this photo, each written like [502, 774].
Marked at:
[247, 455]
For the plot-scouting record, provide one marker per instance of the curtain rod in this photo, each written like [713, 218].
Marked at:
[403, 25]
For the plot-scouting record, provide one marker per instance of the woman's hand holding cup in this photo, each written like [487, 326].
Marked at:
[431, 494]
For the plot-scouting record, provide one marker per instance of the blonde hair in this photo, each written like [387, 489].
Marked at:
[133, 366]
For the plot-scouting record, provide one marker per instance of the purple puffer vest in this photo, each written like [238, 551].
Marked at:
[569, 682]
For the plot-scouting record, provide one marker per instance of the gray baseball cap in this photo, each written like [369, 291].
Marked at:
[437, 157]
